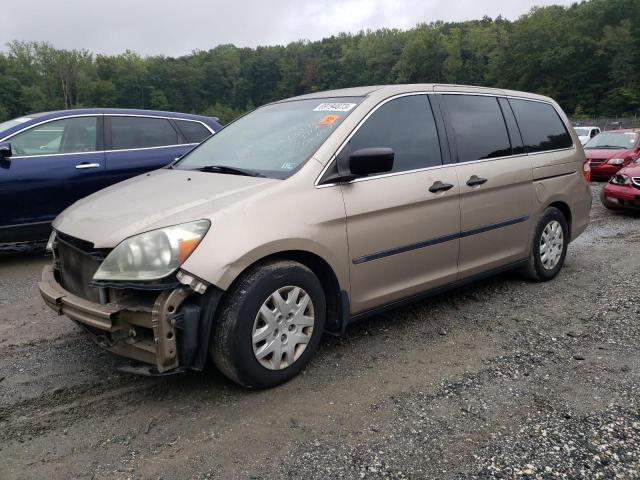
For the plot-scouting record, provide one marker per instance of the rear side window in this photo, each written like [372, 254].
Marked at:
[540, 125]
[194, 132]
[407, 126]
[141, 132]
[67, 135]
[478, 127]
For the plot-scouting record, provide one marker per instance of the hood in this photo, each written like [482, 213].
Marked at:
[606, 153]
[154, 200]
[632, 170]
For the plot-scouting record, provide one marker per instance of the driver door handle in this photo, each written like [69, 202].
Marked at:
[438, 186]
[474, 181]
[87, 165]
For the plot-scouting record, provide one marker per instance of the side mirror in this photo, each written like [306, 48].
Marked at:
[368, 161]
[362, 162]
[5, 150]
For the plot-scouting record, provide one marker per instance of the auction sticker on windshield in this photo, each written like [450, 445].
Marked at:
[334, 107]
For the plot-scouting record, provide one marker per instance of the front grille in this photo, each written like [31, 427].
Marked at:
[595, 163]
[77, 262]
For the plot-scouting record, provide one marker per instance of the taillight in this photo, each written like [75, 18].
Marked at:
[586, 170]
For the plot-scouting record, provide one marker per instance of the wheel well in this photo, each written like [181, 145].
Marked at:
[337, 307]
[566, 211]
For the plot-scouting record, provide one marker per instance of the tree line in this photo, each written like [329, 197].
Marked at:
[586, 56]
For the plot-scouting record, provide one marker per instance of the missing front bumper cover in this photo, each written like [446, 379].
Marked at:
[143, 329]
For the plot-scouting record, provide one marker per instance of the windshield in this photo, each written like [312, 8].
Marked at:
[582, 132]
[613, 140]
[273, 140]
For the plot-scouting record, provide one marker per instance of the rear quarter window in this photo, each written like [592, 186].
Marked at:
[540, 126]
[194, 132]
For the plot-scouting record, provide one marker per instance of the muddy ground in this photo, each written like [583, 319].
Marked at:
[505, 378]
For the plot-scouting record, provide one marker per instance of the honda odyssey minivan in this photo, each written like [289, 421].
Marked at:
[314, 212]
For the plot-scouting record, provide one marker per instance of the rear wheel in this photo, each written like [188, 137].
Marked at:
[549, 246]
[270, 324]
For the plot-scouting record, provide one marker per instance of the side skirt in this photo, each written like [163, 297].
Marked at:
[348, 320]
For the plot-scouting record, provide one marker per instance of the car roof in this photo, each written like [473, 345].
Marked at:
[395, 89]
[35, 118]
[116, 111]
[623, 130]
[585, 126]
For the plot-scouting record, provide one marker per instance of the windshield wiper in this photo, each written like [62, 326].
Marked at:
[608, 146]
[229, 170]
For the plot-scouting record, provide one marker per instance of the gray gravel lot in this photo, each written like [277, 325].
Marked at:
[502, 379]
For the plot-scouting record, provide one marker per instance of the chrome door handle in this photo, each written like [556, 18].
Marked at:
[87, 165]
[475, 181]
[438, 186]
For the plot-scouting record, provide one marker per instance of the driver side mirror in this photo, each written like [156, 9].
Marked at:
[361, 163]
[5, 150]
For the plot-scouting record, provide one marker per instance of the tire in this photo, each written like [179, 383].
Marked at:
[539, 269]
[243, 319]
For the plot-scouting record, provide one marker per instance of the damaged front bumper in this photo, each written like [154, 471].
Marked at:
[168, 329]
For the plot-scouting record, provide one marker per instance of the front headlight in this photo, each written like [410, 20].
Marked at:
[152, 255]
[621, 179]
[616, 161]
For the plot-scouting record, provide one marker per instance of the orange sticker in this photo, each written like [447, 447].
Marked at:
[329, 119]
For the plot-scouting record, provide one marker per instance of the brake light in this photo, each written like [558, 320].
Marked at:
[586, 170]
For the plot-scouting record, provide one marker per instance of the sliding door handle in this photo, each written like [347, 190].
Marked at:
[474, 181]
[438, 186]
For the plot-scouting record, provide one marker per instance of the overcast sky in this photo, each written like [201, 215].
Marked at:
[176, 27]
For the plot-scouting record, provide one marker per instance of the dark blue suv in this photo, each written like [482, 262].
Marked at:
[50, 160]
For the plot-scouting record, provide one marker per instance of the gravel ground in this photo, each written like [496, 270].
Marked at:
[502, 379]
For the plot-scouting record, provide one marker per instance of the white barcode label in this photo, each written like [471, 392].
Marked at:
[334, 107]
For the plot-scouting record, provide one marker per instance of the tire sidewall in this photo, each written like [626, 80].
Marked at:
[548, 216]
[251, 372]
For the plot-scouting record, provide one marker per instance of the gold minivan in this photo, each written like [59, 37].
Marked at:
[314, 212]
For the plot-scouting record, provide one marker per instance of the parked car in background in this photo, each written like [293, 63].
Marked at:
[50, 160]
[623, 190]
[612, 150]
[586, 133]
[314, 212]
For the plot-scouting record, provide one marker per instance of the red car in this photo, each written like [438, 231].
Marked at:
[612, 150]
[623, 191]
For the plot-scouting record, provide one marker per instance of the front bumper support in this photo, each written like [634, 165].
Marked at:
[172, 331]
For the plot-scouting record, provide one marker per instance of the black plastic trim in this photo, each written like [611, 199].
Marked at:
[554, 176]
[437, 240]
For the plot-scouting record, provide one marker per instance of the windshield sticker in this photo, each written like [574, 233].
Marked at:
[329, 119]
[334, 107]
[288, 166]
[22, 120]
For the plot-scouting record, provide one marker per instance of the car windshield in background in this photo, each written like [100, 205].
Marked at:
[613, 140]
[272, 141]
[582, 132]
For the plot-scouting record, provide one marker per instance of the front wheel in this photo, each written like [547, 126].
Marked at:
[549, 246]
[270, 324]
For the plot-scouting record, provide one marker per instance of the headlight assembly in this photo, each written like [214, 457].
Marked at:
[621, 179]
[616, 161]
[152, 255]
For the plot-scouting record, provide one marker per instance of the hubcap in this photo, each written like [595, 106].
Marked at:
[551, 245]
[283, 327]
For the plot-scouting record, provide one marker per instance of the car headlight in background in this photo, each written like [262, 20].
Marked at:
[621, 179]
[616, 161]
[152, 255]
